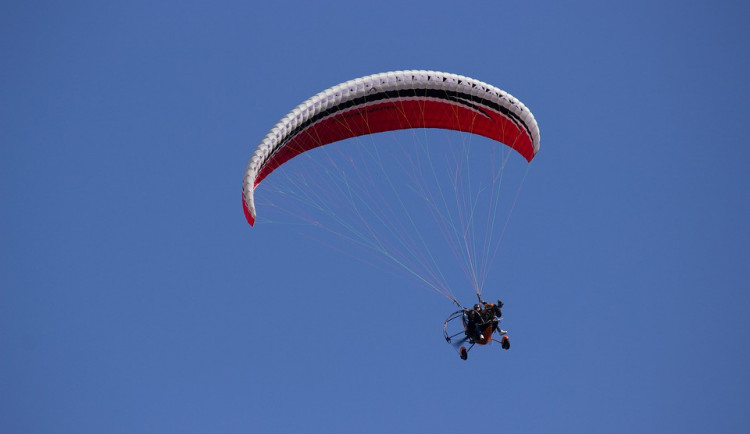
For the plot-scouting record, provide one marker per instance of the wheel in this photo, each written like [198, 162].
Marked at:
[464, 354]
[505, 343]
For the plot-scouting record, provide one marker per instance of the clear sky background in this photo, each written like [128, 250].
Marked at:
[134, 297]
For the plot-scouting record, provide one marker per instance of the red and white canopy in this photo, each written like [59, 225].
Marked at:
[392, 101]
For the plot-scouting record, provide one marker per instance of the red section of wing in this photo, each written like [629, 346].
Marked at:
[398, 115]
[249, 217]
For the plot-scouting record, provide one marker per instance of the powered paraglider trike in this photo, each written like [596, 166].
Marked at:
[409, 100]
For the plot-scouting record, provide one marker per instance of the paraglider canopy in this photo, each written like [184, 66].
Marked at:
[392, 101]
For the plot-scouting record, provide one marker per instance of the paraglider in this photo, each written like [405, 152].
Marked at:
[402, 100]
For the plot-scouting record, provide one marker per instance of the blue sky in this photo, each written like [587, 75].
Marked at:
[135, 298]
